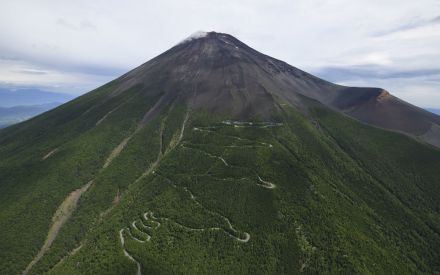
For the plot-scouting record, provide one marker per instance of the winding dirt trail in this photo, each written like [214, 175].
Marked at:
[154, 222]
[121, 237]
[133, 237]
[266, 184]
[147, 172]
[150, 217]
[149, 213]
[227, 221]
[147, 236]
[207, 129]
[206, 153]
[263, 183]
[252, 124]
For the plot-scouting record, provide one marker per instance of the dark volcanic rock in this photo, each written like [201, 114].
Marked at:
[218, 73]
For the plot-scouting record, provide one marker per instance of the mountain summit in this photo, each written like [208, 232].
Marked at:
[218, 73]
[213, 158]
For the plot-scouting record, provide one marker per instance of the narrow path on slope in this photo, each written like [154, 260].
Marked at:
[252, 124]
[228, 222]
[149, 216]
[154, 222]
[121, 237]
[148, 171]
[266, 184]
[263, 183]
[206, 153]
[133, 237]
[151, 219]
[207, 129]
[134, 226]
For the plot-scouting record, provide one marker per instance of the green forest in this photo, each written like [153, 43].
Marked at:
[197, 193]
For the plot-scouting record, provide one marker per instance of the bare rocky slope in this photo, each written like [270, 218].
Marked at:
[235, 79]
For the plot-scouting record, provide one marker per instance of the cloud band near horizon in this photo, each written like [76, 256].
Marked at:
[73, 47]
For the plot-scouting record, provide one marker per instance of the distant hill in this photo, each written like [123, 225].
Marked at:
[435, 111]
[16, 114]
[20, 97]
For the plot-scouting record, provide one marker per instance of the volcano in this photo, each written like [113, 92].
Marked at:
[215, 158]
[218, 73]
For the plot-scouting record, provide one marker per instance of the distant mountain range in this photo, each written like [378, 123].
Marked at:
[435, 111]
[16, 114]
[30, 96]
[17, 105]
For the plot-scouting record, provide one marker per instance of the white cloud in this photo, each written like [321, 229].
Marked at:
[20, 73]
[65, 37]
[375, 59]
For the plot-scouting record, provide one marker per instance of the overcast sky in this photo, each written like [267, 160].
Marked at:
[74, 46]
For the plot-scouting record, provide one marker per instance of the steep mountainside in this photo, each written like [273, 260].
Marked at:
[233, 78]
[214, 158]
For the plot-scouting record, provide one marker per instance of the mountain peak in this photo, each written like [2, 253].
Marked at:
[212, 38]
[219, 74]
[196, 35]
